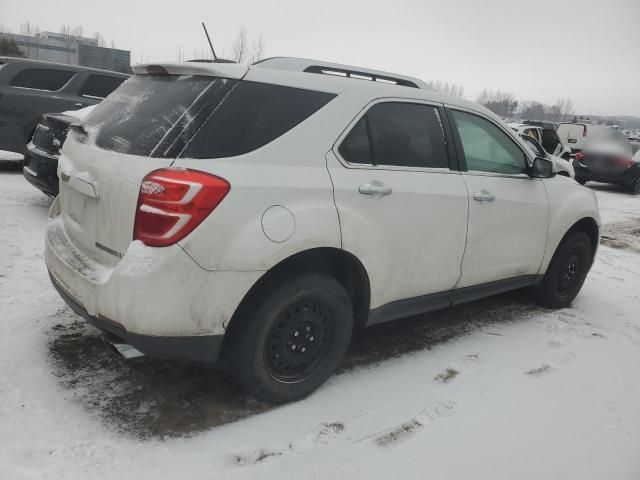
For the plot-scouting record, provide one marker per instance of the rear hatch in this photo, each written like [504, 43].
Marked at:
[141, 127]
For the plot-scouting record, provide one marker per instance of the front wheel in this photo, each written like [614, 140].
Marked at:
[567, 271]
[294, 338]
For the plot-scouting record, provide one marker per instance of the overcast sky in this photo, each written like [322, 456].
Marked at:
[586, 50]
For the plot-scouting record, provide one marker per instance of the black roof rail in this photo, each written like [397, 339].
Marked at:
[360, 75]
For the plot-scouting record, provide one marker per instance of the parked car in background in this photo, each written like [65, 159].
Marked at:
[259, 213]
[561, 166]
[607, 157]
[576, 134]
[41, 155]
[545, 134]
[29, 88]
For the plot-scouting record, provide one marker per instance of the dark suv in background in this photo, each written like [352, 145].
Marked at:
[29, 88]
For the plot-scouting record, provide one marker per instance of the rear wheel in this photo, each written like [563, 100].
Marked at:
[567, 271]
[294, 338]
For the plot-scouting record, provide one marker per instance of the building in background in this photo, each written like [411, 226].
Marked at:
[61, 48]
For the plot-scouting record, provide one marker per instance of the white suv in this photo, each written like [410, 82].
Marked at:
[258, 214]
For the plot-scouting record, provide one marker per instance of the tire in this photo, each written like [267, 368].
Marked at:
[567, 271]
[581, 181]
[635, 187]
[293, 338]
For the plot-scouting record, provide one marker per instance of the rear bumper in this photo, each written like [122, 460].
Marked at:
[626, 178]
[203, 348]
[157, 299]
[40, 170]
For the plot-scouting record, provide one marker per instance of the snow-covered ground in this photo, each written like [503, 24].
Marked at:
[497, 389]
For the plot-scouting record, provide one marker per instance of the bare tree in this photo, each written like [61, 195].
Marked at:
[26, 29]
[565, 109]
[453, 89]
[501, 103]
[533, 110]
[239, 48]
[65, 30]
[257, 50]
[99, 39]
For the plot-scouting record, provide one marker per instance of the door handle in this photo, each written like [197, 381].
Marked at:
[79, 104]
[374, 188]
[484, 196]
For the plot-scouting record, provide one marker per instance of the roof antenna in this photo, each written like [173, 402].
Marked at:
[215, 57]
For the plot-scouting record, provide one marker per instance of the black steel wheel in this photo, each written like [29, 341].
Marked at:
[567, 271]
[570, 270]
[298, 341]
[292, 337]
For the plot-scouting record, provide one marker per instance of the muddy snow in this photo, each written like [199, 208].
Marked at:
[498, 388]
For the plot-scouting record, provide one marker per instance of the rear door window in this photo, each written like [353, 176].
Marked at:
[550, 140]
[42, 79]
[398, 134]
[100, 86]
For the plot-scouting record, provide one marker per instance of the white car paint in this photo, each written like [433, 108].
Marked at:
[428, 236]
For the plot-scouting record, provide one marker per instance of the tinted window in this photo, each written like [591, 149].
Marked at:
[486, 147]
[400, 134]
[138, 116]
[100, 86]
[42, 79]
[251, 115]
[356, 148]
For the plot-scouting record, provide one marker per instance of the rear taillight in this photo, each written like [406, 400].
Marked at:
[579, 156]
[623, 162]
[172, 202]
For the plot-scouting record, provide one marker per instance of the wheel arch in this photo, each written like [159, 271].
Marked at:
[342, 265]
[588, 225]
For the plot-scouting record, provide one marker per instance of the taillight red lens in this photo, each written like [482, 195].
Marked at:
[172, 202]
[579, 156]
[623, 162]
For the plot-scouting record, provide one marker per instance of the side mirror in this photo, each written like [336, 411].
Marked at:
[542, 168]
